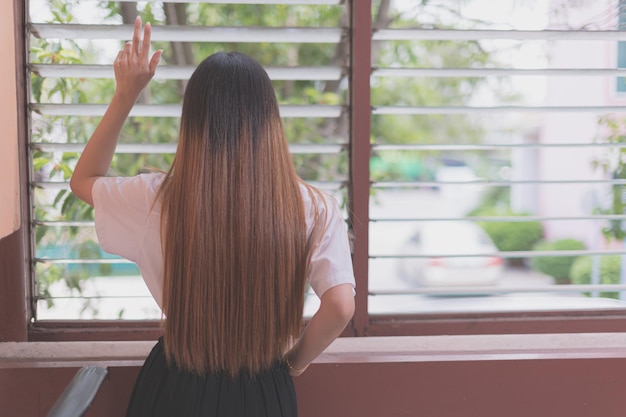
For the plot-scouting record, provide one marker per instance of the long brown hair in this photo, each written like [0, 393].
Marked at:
[236, 248]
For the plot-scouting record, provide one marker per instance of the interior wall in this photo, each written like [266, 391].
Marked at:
[9, 176]
[488, 388]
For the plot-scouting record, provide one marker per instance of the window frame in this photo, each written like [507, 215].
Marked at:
[16, 303]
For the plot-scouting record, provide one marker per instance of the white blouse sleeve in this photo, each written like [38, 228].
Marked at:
[331, 260]
[122, 208]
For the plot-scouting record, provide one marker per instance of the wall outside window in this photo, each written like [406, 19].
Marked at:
[9, 172]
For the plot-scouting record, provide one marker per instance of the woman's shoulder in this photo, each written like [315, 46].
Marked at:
[312, 195]
[319, 204]
[144, 180]
[137, 190]
[152, 180]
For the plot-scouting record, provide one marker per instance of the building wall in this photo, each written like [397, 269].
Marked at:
[570, 163]
[9, 183]
[492, 388]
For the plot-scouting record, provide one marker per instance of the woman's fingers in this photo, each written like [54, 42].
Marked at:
[133, 65]
[137, 36]
[145, 47]
[118, 59]
[127, 51]
[154, 61]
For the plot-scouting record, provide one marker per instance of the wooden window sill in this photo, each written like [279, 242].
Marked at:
[344, 350]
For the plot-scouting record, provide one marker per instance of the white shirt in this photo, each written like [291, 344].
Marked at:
[128, 223]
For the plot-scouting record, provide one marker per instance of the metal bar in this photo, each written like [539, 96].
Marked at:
[174, 110]
[60, 185]
[286, 2]
[419, 110]
[83, 261]
[498, 72]
[93, 297]
[509, 254]
[65, 185]
[63, 223]
[484, 290]
[490, 219]
[176, 33]
[430, 184]
[409, 185]
[491, 146]
[80, 393]
[290, 110]
[170, 72]
[502, 218]
[520, 35]
[360, 130]
[170, 148]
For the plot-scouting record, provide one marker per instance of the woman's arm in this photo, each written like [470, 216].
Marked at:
[335, 312]
[133, 71]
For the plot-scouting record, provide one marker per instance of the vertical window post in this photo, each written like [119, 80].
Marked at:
[14, 248]
[360, 117]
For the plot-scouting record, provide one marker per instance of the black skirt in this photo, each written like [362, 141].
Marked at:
[163, 391]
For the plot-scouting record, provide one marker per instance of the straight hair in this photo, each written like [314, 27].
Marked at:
[235, 242]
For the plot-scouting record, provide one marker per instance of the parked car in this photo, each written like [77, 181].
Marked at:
[436, 242]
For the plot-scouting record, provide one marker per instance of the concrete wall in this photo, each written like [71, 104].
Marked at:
[9, 185]
[512, 388]
[572, 200]
[535, 375]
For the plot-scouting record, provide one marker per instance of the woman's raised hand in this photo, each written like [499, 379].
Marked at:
[133, 69]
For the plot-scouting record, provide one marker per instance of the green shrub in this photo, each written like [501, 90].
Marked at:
[609, 272]
[557, 267]
[514, 236]
[493, 200]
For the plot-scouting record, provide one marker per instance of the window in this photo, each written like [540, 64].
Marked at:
[476, 153]
[495, 116]
[72, 49]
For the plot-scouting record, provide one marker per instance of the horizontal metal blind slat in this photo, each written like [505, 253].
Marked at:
[520, 35]
[192, 33]
[63, 223]
[491, 146]
[492, 219]
[420, 110]
[486, 219]
[285, 2]
[508, 254]
[174, 110]
[420, 184]
[503, 254]
[170, 72]
[65, 185]
[326, 73]
[54, 185]
[503, 290]
[170, 148]
[93, 297]
[83, 261]
[557, 289]
[499, 72]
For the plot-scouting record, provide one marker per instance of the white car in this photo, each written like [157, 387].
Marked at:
[436, 242]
